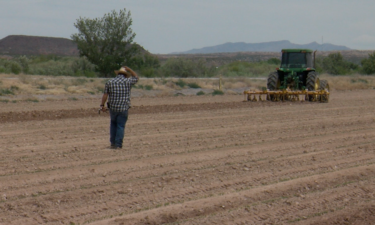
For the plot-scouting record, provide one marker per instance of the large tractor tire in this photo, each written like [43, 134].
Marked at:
[312, 81]
[312, 84]
[273, 81]
[324, 86]
[273, 84]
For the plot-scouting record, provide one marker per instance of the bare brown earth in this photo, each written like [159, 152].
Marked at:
[190, 160]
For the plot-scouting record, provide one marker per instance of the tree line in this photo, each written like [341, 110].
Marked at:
[148, 65]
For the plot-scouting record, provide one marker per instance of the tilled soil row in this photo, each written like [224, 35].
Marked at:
[7, 117]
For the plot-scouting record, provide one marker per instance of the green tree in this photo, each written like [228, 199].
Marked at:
[335, 64]
[368, 65]
[106, 42]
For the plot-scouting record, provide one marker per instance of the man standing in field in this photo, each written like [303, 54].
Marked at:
[117, 91]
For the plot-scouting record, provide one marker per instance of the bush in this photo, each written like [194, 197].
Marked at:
[13, 67]
[42, 87]
[177, 67]
[148, 87]
[181, 83]
[148, 72]
[246, 69]
[274, 61]
[335, 64]
[6, 92]
[79, 81]
[217, 92]
[368, 65]
[193, 85]
[201, 93]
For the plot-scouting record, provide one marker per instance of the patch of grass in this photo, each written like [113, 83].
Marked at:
[6, 91]
[73, 99]
[139, 86]
[218, 92]
[14, 88]
[91, 92]
[32, 100]
[100, 89]
[79, 81]
[42, 87]
[193, 85]
[201, 93]
[4, 100]
[359, 80]
[181, 83]
[148, 87]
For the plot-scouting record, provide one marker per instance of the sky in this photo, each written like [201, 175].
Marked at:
[166, 26]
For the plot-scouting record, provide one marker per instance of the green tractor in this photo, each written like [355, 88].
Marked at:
[296, 73]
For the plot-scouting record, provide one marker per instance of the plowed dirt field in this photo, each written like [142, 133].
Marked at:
[190, 160]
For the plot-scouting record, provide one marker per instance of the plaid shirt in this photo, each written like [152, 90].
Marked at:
[118, 90]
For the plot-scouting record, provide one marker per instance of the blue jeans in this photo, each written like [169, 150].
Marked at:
[117, 128]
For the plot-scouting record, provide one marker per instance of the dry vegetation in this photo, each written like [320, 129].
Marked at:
[21, 87]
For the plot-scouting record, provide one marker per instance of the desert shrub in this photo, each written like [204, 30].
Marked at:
[217, 92]
[12, 67]
[274, 61]
[100, 89]
[246, 69]
[358, 80]
[139, 86]
[193, 85]
[82, 67]
[177, 67]
[368, 65]
[181, 83]
[201, 93]
[6, 91]
[24, 63]
[148, 87]
[79, 81]
[32, 100]
[148, 72]
[42, 87]
[14, 88]
[144, 61]
[335, 64]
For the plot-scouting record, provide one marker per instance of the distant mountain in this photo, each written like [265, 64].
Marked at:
[33, 45]
[274, 46]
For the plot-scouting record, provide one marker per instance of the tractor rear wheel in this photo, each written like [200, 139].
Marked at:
[324, 86]
[312, 81]
[312, 84]
[273, 84]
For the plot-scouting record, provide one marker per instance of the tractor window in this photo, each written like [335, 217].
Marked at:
[294, 60]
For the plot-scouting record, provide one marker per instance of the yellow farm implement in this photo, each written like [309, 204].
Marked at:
[287, 95]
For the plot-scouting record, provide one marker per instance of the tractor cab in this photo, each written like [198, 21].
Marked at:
[297, 58]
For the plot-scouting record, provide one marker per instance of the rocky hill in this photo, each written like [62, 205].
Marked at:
[33, 45]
